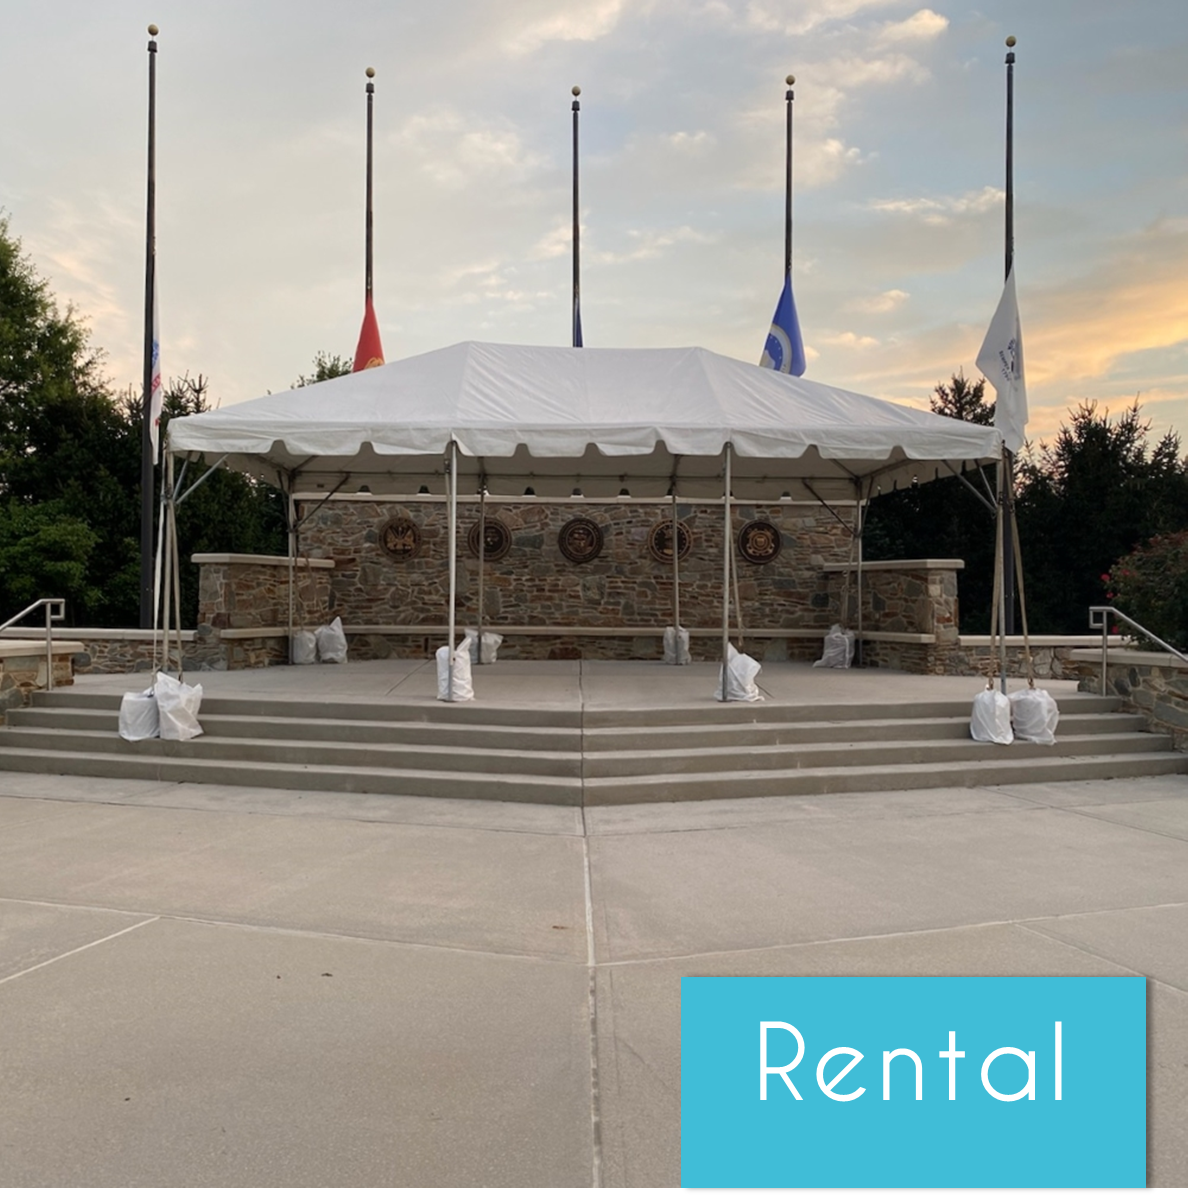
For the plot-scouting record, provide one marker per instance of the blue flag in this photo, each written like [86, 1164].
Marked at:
[784, 350]
[577, 323]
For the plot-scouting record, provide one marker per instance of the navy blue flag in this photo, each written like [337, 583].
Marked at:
[577, 325]
[784, 350]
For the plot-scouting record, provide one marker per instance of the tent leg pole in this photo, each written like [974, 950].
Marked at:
[676, 578]
[176, 554]
[860, 518]
[292, 510]
[482, 547]
[157, 566]
[726, 529]
[452, 516]
[1003, 483]
[166, 550]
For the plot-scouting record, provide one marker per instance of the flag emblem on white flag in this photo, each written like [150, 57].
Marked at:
[1001, 360]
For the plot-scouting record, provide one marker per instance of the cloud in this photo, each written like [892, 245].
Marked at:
[587, 22]
[922, 26]
[888, 301]
[1134, 301]
[650, 243]
[849, 340]
[803, 18]
[454, 150]
[933, 210]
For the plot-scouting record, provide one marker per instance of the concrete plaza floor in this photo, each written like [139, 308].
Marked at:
[209, 985]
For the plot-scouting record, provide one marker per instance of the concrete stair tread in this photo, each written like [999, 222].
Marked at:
[1027, 762]
[363, 731]
[208, 744]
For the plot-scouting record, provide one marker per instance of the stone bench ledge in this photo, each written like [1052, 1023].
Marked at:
[1072, 642]
[36, 648]
[261, 559]
[96, 634]
[1129, 656]
[906, 566]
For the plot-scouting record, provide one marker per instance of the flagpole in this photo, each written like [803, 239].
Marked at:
[1008, 472]
[788, 181]
[370, 72]
[576, 324]
[150, 282]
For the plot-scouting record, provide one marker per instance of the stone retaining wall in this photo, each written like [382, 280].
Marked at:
[534, 584]
[1153, 684]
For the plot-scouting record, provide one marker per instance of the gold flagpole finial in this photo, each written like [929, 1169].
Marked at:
[1010, 41]
[370, 72]
[790, 80]
[577, 91]
[153, 31]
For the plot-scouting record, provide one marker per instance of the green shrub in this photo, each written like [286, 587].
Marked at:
[1151, 586]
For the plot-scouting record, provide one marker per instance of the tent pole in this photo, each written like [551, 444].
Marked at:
[726, 574]
[482, 547]
[452, 508]
[176, 565]
[1003, 482]
[157, 566]
[292, 510]
[167, 588]
[676, 577]
[859, 521]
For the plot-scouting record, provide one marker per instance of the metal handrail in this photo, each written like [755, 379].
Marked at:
[55, 612]
[1097, 620]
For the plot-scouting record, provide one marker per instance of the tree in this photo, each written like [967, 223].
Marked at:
[963, 400]
[70, 468]
[1089, 499]
[325, 365]
[943, 517]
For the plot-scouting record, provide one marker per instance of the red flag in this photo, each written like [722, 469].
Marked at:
[370, 352]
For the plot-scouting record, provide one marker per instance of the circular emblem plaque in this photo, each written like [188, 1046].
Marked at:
[580, 540]
[759, 542]
[400, 538]
[496, 539]
[660, 541]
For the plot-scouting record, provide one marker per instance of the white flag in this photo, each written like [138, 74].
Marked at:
[156, 390]
[1001, 360]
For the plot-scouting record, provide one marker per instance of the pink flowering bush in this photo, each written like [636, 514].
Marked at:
[1150, 585]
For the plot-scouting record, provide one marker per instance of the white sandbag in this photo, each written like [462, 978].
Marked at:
[838, 651]
[304, 648]
[462, 690]
[990, 722]
[1034, 715]
[741, 672]
[676, 646]
[491, 643]
[138, 716]
[177, 708]
[332, 645]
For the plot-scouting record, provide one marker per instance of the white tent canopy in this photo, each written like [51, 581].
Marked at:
[556, 419]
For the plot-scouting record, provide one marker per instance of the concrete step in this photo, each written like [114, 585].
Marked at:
[846, 755]
[884, 706]
[493, 761]
[560, 739]
[422, 783]
[955, 727]
[360, 731]
[681, 787]
[546, 753]
[706, 713]
[369, 709]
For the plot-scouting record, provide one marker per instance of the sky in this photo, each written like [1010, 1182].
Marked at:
[898, 165]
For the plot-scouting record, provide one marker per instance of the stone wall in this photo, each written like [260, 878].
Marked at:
[248, 591]
[902, 596]
[1153, 684]
[534, 584]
